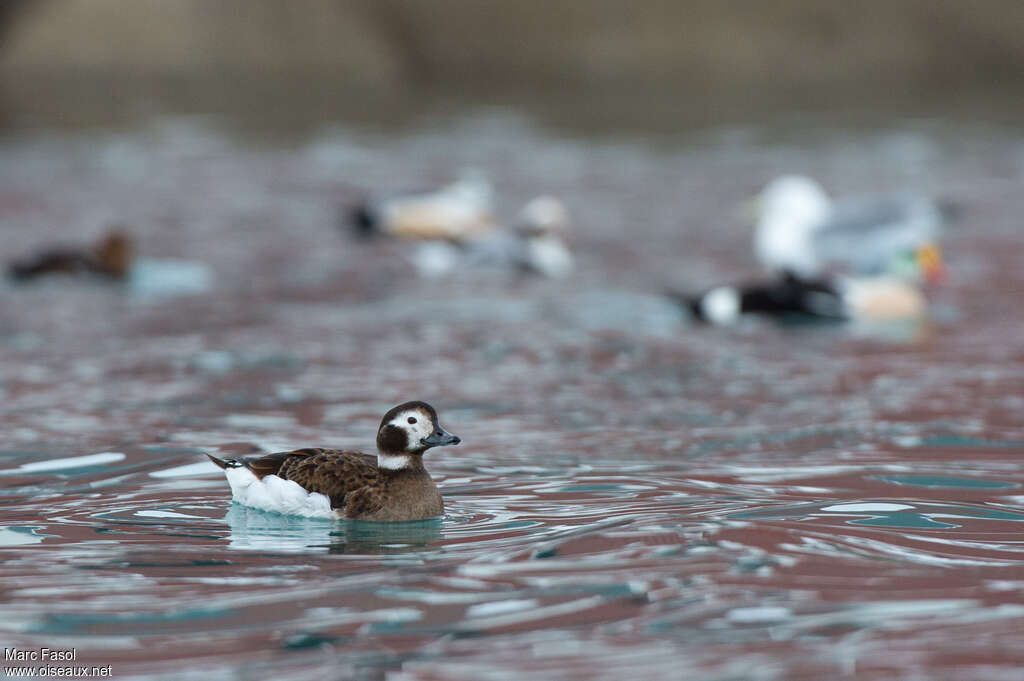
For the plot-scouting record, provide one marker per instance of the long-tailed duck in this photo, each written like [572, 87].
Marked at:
[800, 230]
[110, 257]
[459, 210]
[316, 482]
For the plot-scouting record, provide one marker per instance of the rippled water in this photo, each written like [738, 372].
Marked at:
[634, 497]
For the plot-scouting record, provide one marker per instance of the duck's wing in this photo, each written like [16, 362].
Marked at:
[869, 234]
[331, 472]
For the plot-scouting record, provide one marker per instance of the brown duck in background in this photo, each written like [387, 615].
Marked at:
[315, 482]
[111, 257]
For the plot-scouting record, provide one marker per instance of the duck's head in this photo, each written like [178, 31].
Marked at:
[542, 216]
[407, 431]
[797, 197]
[789, 210]
[113, 253]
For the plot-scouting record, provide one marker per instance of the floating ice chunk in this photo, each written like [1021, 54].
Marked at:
[152, 278]
[866, 507]
[500, 607]
[63, 464]
[215, 361]
[165, 514]
[19, 536]
[759, 614]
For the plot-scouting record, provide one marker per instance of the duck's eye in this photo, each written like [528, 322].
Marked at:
[412, 419]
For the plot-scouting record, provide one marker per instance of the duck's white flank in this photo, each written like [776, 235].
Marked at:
[435, 258]
[276, 494]
[549, 256]
[721, 305]
[882, 298]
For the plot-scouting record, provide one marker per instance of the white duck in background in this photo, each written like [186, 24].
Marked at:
[533, 244]
[460, 210]
[801, 230]
[541, 226]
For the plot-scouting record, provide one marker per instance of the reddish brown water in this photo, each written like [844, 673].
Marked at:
[634, 497]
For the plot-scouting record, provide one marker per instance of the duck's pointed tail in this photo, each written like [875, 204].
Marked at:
[689, 301]
[225, 463]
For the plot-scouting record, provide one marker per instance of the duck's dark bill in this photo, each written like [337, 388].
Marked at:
[440, 438]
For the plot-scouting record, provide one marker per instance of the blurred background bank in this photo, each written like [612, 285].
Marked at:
[642, 64]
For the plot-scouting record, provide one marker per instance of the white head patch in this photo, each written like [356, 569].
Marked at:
[547, 255]
[416, 424]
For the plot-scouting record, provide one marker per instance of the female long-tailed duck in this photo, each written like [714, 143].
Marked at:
[327, 483]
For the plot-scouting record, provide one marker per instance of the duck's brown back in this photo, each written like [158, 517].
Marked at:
[332, 472]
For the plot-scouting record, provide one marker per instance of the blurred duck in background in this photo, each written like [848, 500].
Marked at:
[787, 296]
[114, 257]
[459, 210]
[110, 257]
[863, 259]
[801, 231]
[534, 244]
[839, 298]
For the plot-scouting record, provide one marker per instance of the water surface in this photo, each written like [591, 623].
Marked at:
[634, 496]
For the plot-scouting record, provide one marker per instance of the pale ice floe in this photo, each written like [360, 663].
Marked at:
[500, 607]
[19, 536]
[867, 507]
[149, 278]
[65, 464]
[166, 514]
[760, 614]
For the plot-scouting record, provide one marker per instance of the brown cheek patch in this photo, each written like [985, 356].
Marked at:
[392, 439]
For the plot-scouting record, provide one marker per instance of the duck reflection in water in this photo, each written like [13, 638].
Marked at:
[256, 530]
